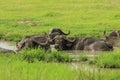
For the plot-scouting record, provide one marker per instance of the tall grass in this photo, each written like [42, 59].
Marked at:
[109, 60]
[86, 72]
[12, 68]
[31, 55]
[22, 70]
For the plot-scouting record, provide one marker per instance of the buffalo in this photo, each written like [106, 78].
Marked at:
[58, 39]
[58, 30]
[33, 41]
[43, 41]
[92, 44]
[113, 37]
[63, 43]
[89, 44]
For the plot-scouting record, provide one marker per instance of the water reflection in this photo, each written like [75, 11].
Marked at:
[7, 45]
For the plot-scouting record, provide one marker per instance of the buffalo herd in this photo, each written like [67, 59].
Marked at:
[57, 39]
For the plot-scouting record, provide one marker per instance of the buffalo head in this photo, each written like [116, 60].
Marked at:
[26, 42]
[113, 37]
[61, 42]
[33, 41]
[57, 30]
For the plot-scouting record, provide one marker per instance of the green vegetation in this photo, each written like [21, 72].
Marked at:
[32, 55]
[87, 72]
[84, 18]
[14, 69]
[83, 57]
[103, 59]
[109, 60]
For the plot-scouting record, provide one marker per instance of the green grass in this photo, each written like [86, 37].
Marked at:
[102, 59]
[31, 55]
[12, 68]
[83, 18]
[109, 60]
[22, 70]
[87, 72]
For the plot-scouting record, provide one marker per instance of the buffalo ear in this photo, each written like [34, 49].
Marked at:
[107, 38]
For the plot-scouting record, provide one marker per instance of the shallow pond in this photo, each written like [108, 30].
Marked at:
[10, 45]
[7, 45]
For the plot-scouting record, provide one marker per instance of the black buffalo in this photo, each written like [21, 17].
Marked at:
[92, 44]
[43, 41]
[56, 31]
[89, 44]
[33, 41]
[63, 43]
[113, 37]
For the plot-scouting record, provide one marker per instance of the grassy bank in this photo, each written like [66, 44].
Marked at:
[22, 70]
[109, 60]
[102, 59]
[32, 55]
[12, 68]
[83, 18]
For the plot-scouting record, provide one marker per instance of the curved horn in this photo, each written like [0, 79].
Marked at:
[68, 32]
[43, 44]
[65, 33]
[51, 39]
[39, 43]
[70, 40]
[55, 37]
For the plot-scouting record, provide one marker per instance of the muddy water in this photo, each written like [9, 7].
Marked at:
[90, 68]
[77, 53]
[11, 46]
[83, 67]
[7, 45]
